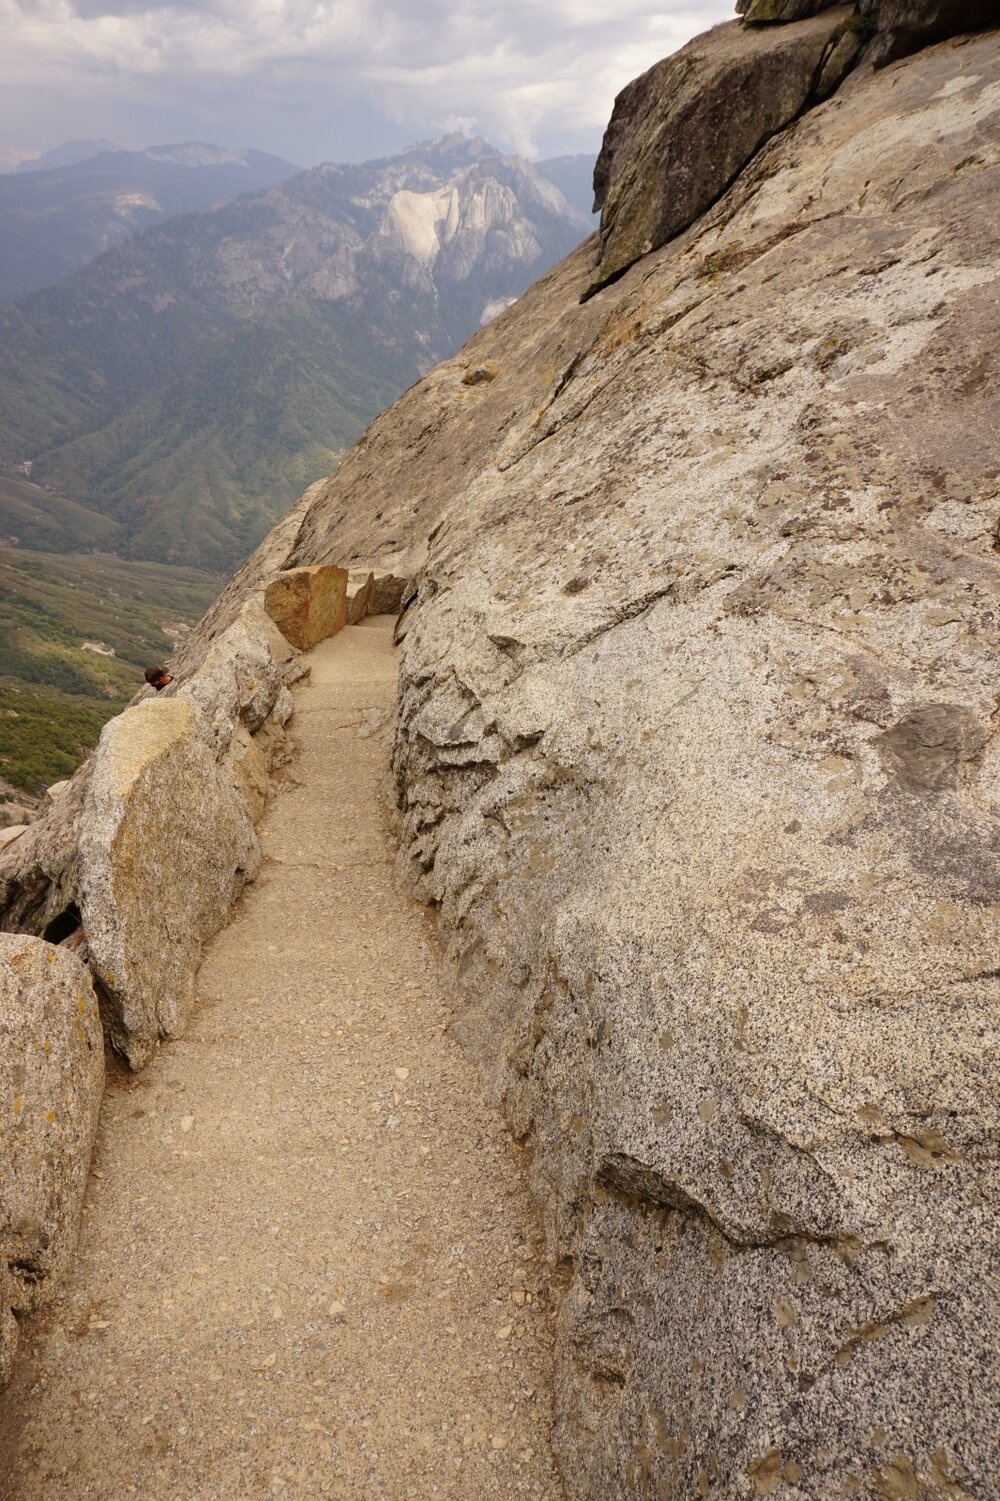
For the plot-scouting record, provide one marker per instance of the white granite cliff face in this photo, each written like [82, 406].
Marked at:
[697, 758]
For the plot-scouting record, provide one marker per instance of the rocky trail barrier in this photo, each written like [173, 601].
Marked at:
[138, 861]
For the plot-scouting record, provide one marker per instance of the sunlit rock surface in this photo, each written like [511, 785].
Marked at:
[166, 847]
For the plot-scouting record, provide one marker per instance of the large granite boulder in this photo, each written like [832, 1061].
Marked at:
[897, 27]
[681, 132]
[770, 12]
[51, 1082]
[240, 678]
[236, 681]
[39, 872]
[166, 846]
[308, 604]
[905, 25]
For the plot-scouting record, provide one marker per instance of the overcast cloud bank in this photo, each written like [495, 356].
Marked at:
[329, 79]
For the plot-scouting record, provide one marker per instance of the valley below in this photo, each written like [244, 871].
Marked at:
[76, 632]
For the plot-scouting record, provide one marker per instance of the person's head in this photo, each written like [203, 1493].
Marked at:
[157, 677]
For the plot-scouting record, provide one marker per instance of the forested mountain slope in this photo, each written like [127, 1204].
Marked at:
[190, 383]
[60, 216]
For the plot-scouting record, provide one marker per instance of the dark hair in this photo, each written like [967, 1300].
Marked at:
[152, 674]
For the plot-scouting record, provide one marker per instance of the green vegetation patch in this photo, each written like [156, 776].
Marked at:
[76, 632]
[43, 738]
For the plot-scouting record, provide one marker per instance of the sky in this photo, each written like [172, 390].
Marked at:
[329, 80]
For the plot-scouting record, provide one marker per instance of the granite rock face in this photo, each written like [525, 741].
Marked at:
[681, 132]
[769, 12]
[308, 604]
[166, 846]
[696, 758]
[237, 685]
[705, 786]
[51, 1082]
[359, 588]
[240, 677]
[906, 25]
[39, 872]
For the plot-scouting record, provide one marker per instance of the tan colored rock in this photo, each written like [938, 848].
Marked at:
[697, 760]
[387, 592]
[15, 815]
[166, 846]
[480, 375]
[682, 131]
[769, 12]
[359, 587]
[51, 1082]
[308, 604]
[247, 766]
[241, 677]
[239, 682]
[39, 871]
[8, 1326]
[11, 832]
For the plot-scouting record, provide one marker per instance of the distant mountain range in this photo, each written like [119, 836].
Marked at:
[60, 211]
[188, 384]
[66, 155]
[574, 177]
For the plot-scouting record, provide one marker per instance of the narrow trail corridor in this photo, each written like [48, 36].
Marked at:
[307, 1264]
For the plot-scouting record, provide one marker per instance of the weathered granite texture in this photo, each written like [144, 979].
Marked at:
[903, 26]
[308, 604]
[682, 131]
[697, 760]
[236, 684]
[240, 679]
[51, 1082]
[166, 846]
[768, 12]
[359, 588]
[696, 757]
[39, 872]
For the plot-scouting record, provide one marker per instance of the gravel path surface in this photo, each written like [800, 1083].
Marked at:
[308, 1263]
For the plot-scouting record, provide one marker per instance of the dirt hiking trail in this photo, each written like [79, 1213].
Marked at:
[308, 1264]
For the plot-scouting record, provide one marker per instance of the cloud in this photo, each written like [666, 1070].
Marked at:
[522, 73]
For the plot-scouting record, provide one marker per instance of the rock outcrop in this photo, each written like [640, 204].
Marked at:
[682, 131]
[308, 604]
[51, 1082]
[241, 679]
[903, 26]
[166, 846]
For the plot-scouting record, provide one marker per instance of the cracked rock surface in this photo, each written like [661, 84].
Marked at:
[697, 758]
[51, 1081]
[308, 1265]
